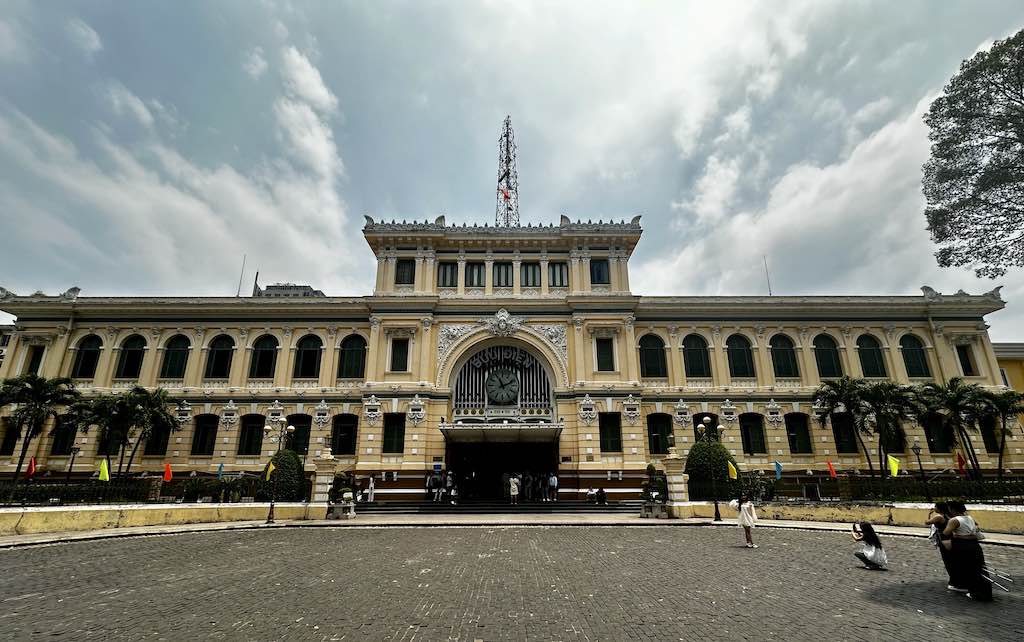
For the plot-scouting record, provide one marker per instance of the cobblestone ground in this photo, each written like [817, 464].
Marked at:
[658, 583]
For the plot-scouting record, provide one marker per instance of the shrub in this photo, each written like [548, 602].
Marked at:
[705, 459]
[289, 476]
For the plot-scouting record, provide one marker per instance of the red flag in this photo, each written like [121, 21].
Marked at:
[961, 463]
[831, 470]
[505, 193]
[168, 475]
[31, 470]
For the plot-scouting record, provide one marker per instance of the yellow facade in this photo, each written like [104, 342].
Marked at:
[444, 293]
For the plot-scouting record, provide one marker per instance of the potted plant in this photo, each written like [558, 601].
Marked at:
[341, 499]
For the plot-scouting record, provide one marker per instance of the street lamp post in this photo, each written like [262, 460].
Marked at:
[282, 430]
[704, 428]
[916, 449]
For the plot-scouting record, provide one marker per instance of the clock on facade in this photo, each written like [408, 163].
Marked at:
[502, 386]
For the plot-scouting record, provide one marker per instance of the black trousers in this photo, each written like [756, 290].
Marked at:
[968, 562]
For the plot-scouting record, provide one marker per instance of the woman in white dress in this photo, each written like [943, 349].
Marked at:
[871, 553]
[747, 517]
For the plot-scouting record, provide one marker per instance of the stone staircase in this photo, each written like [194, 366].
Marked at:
[492, 507]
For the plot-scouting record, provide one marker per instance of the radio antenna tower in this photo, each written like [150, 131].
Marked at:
[506, 210]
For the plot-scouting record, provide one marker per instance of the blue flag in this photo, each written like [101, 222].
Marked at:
[778, 470]
[220, 471]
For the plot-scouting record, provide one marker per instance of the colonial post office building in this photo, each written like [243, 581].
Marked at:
[486, 350]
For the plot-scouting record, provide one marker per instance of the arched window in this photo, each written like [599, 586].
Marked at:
[218, 358]
[264, 358]
[914, 357]
[695, 356]
[87, 357]
[711, 425]
[870, 351]
[205, 436]
[307, 357]
[798, 430]
[353, 357]
[299, 440]
[129, 363]
[752, 433]
[343, 434]
[175, 358]
[652, 356]
[741, 357]
[938, 432]
[989, 426]
[826, 354]
[784, 356]
[63, 437]
[844, 433]
[250, 435]
[659, 428]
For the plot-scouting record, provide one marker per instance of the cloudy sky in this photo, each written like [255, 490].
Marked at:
[145, 147]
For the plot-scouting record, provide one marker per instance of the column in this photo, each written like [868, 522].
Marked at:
[763, 366]
[418, 276]
[544, 281]
[108, 359]
[56, 356]
[574, 271]
[489, 275]
[374, 348]
[328, 361]
[632, 370]
[238, 361]
[194, 363]
[151, 362]
[381, 269]
[624, 271]
[324, 478]
[808, 365]
[517, 276]
[585, 272]
[579, 341]
[426, 370]
[719, 363]
[389, 272]
[462, 275]
[7, 366]
[850, 355]
[430, 272]
[613, 271]
[674, 357]
[678, 490]
[897, 368]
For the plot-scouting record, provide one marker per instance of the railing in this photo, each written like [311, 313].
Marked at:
[34, 493]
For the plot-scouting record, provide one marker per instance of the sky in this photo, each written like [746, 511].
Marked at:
[145, 148]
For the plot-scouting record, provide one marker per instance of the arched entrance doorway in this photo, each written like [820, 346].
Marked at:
[503, 421]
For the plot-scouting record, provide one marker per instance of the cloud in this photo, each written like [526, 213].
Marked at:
[303, 81]
[307, 138]
[255, 64]
[12, 45]
[125, 103]
[84, 37]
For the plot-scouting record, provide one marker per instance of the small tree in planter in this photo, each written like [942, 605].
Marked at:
[290, 477]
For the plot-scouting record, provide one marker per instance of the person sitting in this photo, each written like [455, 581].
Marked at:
[871, 553]
[591, 495]
[602, 497]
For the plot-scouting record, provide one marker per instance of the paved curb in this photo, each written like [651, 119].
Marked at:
[49, 539]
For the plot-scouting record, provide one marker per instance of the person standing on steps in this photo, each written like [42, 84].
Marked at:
[369, 489]
[747, 517]
[553, 487]
[513, 489]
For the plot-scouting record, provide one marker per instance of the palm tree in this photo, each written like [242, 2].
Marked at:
[887, 405]
[960, 405]
[1007, 405]
[36, 399]
[844, 393]
[152, 415]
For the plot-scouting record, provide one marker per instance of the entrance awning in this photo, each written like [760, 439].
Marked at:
[501, 433]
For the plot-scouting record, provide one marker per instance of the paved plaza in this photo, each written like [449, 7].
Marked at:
[491, 583]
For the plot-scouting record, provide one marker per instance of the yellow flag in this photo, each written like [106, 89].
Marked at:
[894, 465]
[733, 473]
[270, 469]
[104, 471]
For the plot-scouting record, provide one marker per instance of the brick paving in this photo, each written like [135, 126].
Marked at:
[490, 583]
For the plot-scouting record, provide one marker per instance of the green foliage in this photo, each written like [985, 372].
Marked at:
[707, 461]
[974, 180]
[38, 399]
[289, 476]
